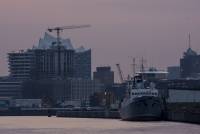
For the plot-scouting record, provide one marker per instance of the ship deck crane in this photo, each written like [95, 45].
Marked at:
[58, 42]
[120, 73]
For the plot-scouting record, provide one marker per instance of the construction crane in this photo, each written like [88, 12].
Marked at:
[120, 73]
[58, 41]
[60, 29]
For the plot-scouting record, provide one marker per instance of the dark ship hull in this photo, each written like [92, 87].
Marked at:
[146, 108]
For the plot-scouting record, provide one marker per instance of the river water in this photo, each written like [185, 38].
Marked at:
[54, 125]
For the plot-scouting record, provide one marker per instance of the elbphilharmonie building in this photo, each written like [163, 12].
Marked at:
[49, 60]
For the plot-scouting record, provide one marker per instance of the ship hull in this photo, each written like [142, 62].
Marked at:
[142, 108]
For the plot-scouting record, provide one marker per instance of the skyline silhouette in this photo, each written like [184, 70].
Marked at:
[156, 30]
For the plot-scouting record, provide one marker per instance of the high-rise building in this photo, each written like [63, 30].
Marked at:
[82, 63]
[190, 64]
[49, 60]
[57, 72]
[104, 75]
[173, 72]
[53, 63]
[20, 64]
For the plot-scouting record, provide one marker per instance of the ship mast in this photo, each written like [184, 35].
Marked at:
[142, 68]
[134, 67]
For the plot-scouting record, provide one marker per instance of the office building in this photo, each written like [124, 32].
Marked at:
[82, 63]
[20, 64]
[104, 75]
[48, 60]
[82, 89]
[173, 72]
[180, 90]
[190, 64]
[61, 90]
[10, 89]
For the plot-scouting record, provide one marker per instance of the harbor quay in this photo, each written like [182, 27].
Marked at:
[61, 112]
[177, 116]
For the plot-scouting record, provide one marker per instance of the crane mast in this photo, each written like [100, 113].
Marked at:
[120, 73]
[58, 30]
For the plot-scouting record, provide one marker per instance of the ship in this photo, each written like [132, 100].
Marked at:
[142, 101]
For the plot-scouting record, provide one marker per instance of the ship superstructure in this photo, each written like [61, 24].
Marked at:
[142, 101]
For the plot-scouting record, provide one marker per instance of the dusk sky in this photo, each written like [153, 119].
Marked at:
[121, 29]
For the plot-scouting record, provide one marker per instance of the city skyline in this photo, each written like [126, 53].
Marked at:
[156, 30]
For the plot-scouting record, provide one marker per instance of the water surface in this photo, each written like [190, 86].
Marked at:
[54, 125]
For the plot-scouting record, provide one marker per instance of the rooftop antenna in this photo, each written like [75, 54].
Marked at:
[189, 41]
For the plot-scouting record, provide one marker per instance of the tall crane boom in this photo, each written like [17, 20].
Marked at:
[68, 27]
[120, 73]
[59, 29]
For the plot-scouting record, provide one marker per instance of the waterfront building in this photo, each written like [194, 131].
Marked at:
[63, 90]
[180, 90]
[40, 64]
[104, 75]
[82, 63]
[20, 64]
[11, 89]
[48, 60]
[173, 72]
[52, 60]
[53, 63]
[40, 89]
[82, 89]
[52, 72]
[183, 96]
[190, 63]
